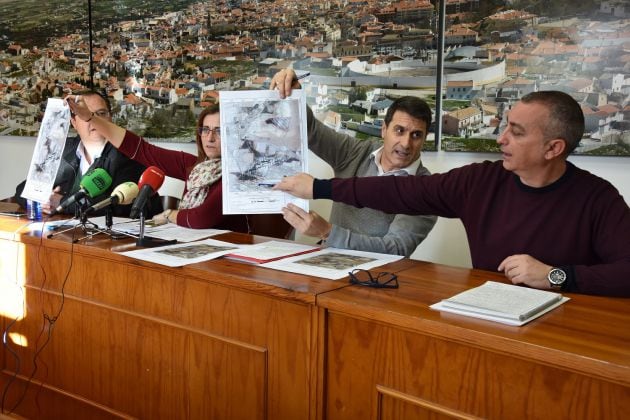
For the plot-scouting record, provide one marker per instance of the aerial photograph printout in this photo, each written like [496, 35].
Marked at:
[48, 149]
[263, 139]
[161, 62]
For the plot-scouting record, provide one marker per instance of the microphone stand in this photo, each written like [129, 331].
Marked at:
[109, 222]
[89, 228]
[109, 218]
[80, 214]
[149, 242]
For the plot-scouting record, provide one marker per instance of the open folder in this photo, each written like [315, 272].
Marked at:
[270, 251]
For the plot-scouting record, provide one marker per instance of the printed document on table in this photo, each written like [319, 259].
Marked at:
[263, 139]
[332, 263]
[48, 151]
[506, 303]
[184, 254]
[270, 251]
[167, 231]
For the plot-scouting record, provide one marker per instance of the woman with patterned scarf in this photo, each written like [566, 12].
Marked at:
[201, 205]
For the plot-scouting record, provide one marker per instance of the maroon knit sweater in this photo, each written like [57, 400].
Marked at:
[178, 164]
[580, 222]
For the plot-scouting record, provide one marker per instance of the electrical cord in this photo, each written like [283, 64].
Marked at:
[6, 332]
[47, 329]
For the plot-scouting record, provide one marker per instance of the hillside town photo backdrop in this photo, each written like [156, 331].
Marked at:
[160, 62]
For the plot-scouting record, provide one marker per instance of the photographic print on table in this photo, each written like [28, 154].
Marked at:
[336, 261]
[263, 138]
[183, 254]
[195, 251]
[332, 263]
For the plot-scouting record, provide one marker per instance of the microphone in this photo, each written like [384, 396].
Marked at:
[150, 181]
[93, 184]
[122, 194]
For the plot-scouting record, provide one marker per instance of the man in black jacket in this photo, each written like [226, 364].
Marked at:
[89, 150]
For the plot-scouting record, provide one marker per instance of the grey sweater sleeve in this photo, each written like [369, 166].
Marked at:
[375, 231]
[404, 235]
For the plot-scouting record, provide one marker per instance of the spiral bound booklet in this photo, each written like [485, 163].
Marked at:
[505, 303]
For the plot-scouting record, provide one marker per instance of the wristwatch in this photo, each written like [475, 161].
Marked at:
[167, 214]
[556, 277]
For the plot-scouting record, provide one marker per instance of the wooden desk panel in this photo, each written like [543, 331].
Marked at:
[219, 339]
[389, 356]
[215, 340]
[223, 339]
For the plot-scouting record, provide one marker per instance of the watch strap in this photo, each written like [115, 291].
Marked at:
[569, 285]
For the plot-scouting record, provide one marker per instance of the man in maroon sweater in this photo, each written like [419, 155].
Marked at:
[533, 215]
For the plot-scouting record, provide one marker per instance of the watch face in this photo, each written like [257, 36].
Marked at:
[557, 276]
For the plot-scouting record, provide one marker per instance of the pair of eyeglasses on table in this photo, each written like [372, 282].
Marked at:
[382, 280]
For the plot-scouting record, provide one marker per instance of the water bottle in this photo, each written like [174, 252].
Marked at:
[33, 210]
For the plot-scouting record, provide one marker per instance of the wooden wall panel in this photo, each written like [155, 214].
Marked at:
[147, 368]
[392, 404]
[155, 343]
[363, 355]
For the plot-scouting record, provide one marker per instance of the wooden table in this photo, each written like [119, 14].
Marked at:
[389, 356]
[228, 340]
[214, 340]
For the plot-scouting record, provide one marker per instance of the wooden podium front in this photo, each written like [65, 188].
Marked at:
[119, 338]
[389, 356]
[217, 340]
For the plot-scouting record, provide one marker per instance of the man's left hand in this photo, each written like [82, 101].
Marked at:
[310, 224]
[525, 269]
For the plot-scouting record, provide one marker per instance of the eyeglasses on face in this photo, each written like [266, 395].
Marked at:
[103, 113]
[382, 280]
[205, 131]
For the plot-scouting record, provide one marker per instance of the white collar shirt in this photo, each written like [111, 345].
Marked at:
[409, 170]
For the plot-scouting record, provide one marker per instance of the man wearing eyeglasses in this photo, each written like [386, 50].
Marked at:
[89, 150]
[404, 132]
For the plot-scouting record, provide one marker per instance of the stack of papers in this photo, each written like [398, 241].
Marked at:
[505, 303]
[269, 251]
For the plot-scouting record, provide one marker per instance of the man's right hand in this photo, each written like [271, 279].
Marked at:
[285, 80]
[53, 201]
[300, 185]
[310, 224]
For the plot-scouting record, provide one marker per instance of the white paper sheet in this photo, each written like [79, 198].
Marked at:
[263, 138]
[167, 231]
[270, 251]
[48, 151]
[183, 254]
[332, 263]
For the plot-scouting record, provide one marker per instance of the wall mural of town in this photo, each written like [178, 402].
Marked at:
[161, 61]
